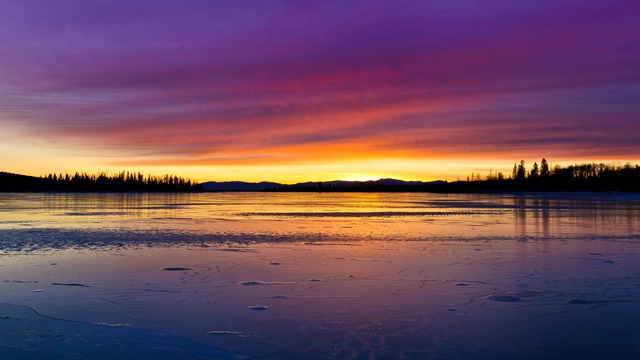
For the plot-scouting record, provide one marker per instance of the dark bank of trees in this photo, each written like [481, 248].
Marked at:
[579, 177]
[538, 178]
[102, 182]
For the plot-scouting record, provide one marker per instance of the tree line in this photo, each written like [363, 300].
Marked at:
[596, 177]
[102, 182]
[543, 177]
[588, 177]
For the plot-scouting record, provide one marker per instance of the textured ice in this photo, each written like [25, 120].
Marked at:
[403, 276]
[113, 325]
[264, 283]
[223, 332]
[28, 334]
[503, 298]
[70, 284]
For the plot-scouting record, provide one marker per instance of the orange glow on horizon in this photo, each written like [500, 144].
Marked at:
[358, 168]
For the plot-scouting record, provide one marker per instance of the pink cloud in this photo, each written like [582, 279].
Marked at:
[251, 80]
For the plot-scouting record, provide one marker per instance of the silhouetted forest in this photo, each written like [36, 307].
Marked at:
[82, 182]
[579, 177]
[539, 178]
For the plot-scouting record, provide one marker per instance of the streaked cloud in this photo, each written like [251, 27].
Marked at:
[261, 83]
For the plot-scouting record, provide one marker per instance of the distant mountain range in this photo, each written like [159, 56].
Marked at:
[238, 186]
[311, 186]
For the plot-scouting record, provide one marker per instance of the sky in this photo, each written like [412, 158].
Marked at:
[316, 90]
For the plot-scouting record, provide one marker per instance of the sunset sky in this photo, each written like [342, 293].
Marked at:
[316, 90]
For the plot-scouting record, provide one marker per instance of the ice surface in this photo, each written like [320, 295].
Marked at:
[176, 268]
[27, 334]
[179, 277]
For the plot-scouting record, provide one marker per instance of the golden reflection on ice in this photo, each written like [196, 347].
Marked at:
[354, 216]
[322, 275]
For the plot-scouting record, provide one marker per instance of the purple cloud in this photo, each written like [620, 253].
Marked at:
[249, 78]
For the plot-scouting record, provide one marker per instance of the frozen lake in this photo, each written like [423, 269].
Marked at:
[319, 276]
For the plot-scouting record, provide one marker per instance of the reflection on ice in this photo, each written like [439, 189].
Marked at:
[244, 276]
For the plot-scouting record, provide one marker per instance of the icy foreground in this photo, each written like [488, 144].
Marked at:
[381, 276]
